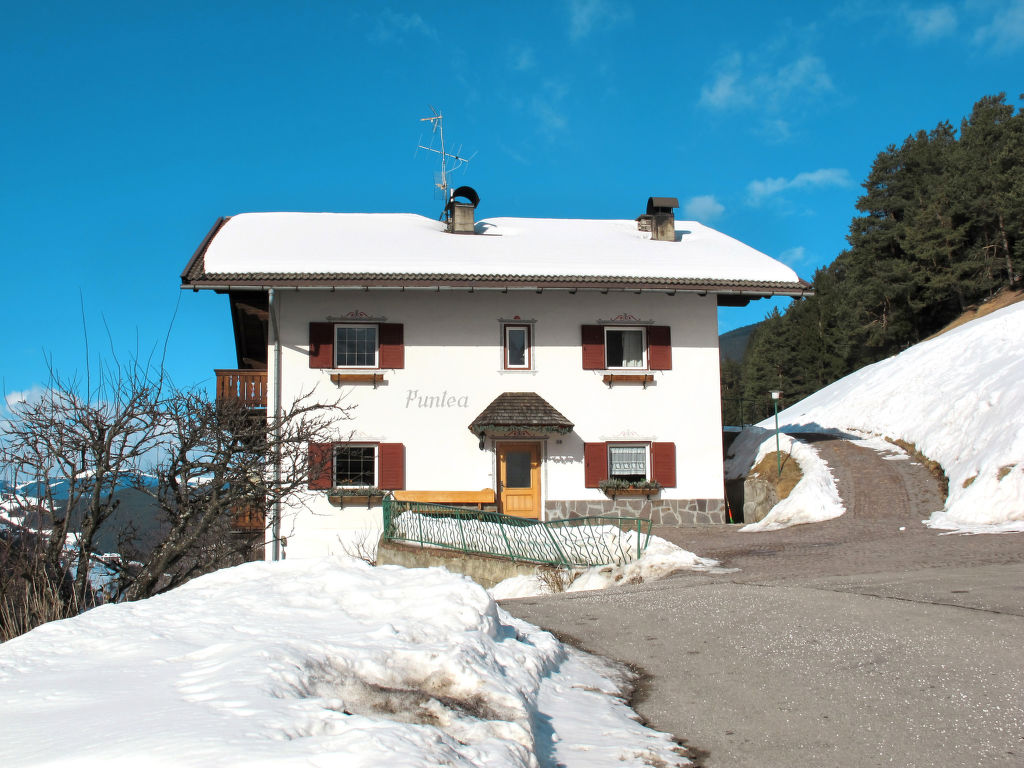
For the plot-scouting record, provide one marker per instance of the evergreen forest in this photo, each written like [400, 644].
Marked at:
[938, 229]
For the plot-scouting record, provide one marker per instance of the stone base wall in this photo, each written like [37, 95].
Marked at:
[675, 512]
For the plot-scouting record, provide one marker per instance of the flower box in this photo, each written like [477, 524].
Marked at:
[613, 488]
[355, 497]
[613, 492]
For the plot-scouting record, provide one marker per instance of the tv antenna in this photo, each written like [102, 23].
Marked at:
[436, 121]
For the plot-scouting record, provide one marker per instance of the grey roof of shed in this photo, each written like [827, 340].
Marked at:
[521, 409]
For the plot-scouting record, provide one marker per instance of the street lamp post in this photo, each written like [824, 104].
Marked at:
[776, 394]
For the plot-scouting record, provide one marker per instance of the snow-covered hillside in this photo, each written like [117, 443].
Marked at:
[960, 399]
[314, 663]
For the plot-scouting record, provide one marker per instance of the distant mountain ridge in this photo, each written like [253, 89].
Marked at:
[733, 344]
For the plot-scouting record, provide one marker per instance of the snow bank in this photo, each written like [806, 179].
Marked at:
[958, 399]
[313, 662]
[660, 559]
[813, 499]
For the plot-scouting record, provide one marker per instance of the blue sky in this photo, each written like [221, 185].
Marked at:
[130, 127]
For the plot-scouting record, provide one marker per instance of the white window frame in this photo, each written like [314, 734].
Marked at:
[528, 330]
[647, 457]
[376, 350]
[643, 348]
[334, 464]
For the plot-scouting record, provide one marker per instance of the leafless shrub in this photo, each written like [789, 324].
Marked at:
[361, 545]
[555, 579]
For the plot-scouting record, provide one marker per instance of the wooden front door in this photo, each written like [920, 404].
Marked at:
[519, 479]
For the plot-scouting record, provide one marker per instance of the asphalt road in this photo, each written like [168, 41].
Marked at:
[846, 643]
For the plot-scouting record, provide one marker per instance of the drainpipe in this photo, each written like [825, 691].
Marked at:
[276, 517]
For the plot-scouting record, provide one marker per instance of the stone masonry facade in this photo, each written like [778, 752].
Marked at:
[675, 512]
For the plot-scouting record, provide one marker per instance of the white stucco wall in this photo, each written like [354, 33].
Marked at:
[453, 351]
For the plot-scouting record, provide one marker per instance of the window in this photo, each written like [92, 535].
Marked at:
[350, 345]
[374, 465]
[627, 462]
[633, 462]
[355, 465]
[355, 346]
[647, 347]
[624, 348]
[518, 350]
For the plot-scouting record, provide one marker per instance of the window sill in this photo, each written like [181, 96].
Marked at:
[376, 379]
[629, 378]
[341, 499]
[648, 492]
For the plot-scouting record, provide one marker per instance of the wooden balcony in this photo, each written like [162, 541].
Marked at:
[248, 518]
[248, 387]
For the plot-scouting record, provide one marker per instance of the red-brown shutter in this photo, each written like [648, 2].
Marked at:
[593, 348]
[663, 464]
[321, 345]
[659, 348]
[392, 345]
[391, 466]
[321, 466]
[595, 463]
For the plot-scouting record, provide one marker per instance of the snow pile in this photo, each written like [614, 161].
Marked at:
[958, 398]
[813, 499]
[314, 662]
[660, 559]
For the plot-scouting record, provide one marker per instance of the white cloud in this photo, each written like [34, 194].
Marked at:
[793, 256]
[758, 190]
[11, 401]
[703, 208]
[546, 106]
[740, 83]
[931, 23]
[392, 25]
[585, 15]
[522, 58]
[1006, 30]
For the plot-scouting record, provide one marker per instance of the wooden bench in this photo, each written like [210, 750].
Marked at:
[452, 498]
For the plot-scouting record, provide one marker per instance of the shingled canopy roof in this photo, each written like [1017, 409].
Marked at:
[522, 410]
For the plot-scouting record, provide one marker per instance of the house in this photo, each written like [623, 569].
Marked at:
[535, 359]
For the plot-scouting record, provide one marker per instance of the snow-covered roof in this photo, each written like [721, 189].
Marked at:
[380, 249]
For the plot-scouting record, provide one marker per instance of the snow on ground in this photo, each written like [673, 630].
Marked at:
[660, 559]
[958, 398]
[813, 499]
[314, 663]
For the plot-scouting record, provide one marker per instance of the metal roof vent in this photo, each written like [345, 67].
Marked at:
[461, 215]
[659, 220]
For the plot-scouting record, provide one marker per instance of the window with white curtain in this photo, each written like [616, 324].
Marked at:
[627, 462]
[624, 348]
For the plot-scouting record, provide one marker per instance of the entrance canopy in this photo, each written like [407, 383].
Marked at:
[514, 413]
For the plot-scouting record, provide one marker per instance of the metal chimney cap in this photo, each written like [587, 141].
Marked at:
[469, 194]
[661, 204]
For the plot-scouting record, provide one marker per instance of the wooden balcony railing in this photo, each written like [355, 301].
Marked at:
[250, 517]
[248, 387]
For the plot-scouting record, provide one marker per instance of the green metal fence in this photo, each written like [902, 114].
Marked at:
[581, 541]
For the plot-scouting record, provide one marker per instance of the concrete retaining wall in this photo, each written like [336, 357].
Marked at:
[485, 571]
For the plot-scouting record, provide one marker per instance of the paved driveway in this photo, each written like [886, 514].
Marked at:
[845, 643]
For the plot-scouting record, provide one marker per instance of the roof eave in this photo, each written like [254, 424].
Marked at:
[751, 288]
